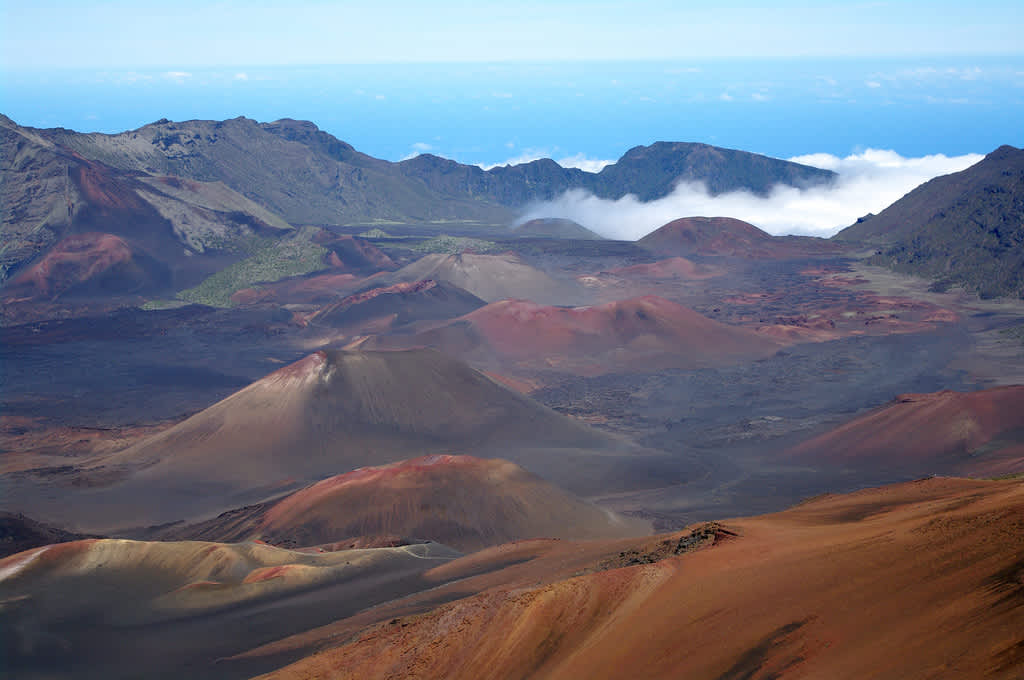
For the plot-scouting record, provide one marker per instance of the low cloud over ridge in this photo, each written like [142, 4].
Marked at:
[867, 182]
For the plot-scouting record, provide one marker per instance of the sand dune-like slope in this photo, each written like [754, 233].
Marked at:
[489, 277]
[727, 236]
[116, 608]
[978, 433]
[461, 501]
[916, 580]
[336, 411]
[644, 333]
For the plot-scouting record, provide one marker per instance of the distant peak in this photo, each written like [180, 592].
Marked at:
[1004, 152]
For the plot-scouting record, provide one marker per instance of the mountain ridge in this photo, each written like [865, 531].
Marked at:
[349, 184]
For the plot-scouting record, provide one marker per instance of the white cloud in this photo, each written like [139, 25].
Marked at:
[583, 163]
[873, 84]
[179, 76]
[577, 161]
[725, 97]
[242, 76]
[417, 149]
[867, 182]
[759, 97]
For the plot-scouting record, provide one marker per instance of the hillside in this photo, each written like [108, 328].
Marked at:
[333, 412]
[652, 172]
[915, 580]
[464, 502]
[75, 228]
[642, 334]
[966, 228]
[397, 305]
[979, 433]
[489, 277]
[554, 228]
[727, 236]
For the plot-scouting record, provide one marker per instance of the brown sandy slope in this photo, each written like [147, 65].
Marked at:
[977, 433]
[644, 333]
[918, 580]
[461, 501]
[729, 237]
[335, 411]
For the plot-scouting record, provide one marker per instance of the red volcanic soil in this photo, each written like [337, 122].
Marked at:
[461, 501]
[670, 268]
[105, 189]
[319, 288]
[910, 581]
[641, 334]
[352, 254]
[729, 237]
[397, 305]
[91, 262]
[967, 432]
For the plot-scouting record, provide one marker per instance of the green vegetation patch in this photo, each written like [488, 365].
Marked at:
[152, 305]
[1015, 334]
[455, 244]
[376, 233]
[272, 262]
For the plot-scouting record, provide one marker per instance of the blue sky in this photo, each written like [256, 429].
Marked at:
[190, 33]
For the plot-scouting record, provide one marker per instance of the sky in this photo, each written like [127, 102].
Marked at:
[888, 94]
[191, 33]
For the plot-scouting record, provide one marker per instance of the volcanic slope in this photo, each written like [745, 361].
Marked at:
[489, 277]
[397, 305]
[131, 231]
[461, 501]
[922, 579]
[977, 433]
[336, 411]
[726, 236]
[554, 227]
[646, 333]
[966, 228]
[120, 609]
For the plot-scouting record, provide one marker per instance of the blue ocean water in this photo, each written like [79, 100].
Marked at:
[492, 113]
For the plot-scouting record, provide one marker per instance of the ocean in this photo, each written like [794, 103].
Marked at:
[580, 113]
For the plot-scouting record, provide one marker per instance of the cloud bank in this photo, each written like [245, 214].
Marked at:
[868, 182]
